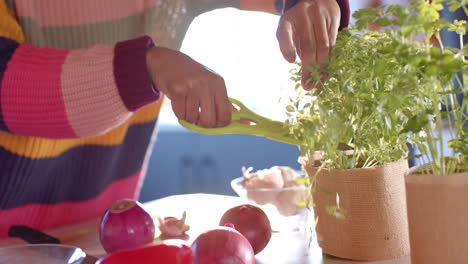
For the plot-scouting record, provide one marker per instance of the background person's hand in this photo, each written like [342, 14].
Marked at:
[309, 28]
[198, 95]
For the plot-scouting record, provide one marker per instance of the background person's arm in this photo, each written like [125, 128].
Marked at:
[309, 28]
[269, 6]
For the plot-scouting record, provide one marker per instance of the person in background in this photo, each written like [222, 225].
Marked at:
[81, 86]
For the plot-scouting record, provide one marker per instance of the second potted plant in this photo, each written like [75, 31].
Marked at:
[437, 190]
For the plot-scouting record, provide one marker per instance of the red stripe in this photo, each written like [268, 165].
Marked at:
[32, 101]
[43, 216]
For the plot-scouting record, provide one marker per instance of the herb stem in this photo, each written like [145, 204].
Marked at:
[440, 134]
[440, 138]
[439, 40]
[461, 45]
[432, 148]
[450, 118]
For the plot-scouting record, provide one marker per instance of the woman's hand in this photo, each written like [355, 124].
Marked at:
[309, 28]
[198, 95]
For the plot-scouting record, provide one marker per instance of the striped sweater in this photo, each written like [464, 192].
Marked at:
[78, 110]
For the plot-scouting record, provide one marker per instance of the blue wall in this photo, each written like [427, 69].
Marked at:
[187, 162]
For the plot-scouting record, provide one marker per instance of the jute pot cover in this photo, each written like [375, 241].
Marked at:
[438, 218]
[375, 226]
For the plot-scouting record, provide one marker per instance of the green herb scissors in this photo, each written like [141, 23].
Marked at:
[259, 126]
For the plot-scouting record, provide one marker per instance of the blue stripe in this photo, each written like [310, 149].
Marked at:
[7, 48]
[79, 174]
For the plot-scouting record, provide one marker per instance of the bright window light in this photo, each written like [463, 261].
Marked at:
[241, 46]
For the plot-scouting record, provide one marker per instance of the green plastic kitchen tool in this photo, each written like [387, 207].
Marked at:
[259, 126]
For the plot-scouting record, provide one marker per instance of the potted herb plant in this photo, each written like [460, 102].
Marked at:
[384, 89]
[352, 137]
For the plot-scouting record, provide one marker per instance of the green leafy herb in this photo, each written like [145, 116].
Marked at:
[385, 89]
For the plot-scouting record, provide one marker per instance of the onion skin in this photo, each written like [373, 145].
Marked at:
[125, 225]
[172, 227]
[172, 251]
[251, 222]
[222, 245]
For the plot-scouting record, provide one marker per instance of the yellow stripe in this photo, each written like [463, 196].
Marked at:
[9, 27]
[147, 113]
[45, 148]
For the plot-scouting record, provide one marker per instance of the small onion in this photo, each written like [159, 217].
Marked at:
[222, 245]
[125, 225]
[251, 222]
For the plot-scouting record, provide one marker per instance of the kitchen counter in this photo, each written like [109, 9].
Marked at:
[204, 212]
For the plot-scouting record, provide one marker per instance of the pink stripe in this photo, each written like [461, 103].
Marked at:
[78, 12]
[31, 95]
[43, 216]
[91, 96]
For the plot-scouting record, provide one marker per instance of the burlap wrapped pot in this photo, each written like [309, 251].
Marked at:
[375, 226]
[438, 218]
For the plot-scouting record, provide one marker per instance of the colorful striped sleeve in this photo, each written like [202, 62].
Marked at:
[57, 93]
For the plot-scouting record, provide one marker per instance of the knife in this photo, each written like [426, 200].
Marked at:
[34, 236]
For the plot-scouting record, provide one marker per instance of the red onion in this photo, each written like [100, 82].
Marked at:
[222, 245]
[125, 225]
[172, 251]
[251, 222]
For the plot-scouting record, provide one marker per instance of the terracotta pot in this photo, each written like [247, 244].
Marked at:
[375, 226]
[438, 218]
